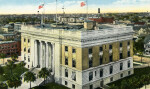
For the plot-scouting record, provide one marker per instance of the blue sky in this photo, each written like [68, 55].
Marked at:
[73, 6]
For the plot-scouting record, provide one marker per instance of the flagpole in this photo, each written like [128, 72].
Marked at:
[87, 9]
[56, 13]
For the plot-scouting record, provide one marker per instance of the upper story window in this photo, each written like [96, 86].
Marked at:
[90, 62]
[110, 46]
[29, 50]
[73, 63]
[111, 69]
[128, 43]
[66, 48]
[28, 59]
[101, 72]
[120, 44]
[90, 51]
[121, 66]
[128, 53]
[110, 58]
[73, 76]
[24, 49]
[121, 56]
[101, 60]
[73, 50]
[129, 64]
[66, 60]
[100, 49]
[24, 40]
[28, 40]
[90, 76]
[66, 73]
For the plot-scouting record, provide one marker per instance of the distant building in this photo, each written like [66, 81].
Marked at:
[8, 28]
[7, 36]
[17, 26]
[147, 45]
[10, 47]
[103, 20]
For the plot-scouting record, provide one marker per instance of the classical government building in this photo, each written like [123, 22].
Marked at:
[81, 57]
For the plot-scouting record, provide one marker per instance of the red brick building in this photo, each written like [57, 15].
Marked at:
[103, 20]
[10, 47]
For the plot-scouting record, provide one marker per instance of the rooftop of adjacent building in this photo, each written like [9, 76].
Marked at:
[7, 34]
[6, 42]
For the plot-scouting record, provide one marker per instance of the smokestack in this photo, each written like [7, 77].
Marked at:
[99, 11]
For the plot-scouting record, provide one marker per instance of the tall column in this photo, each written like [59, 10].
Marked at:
[52, 58]
[35, 54]
[47, 52]
[41, 54]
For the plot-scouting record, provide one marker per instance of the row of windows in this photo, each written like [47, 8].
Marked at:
[73, 62]
[73, 49]
[73, 86]
[110, 71]
[28, 40]
[73, 76]
[8, 46]
[28, 50]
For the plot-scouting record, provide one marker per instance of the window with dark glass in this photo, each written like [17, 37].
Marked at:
[73, 63]
[129, 72]
[90, 50]
[24, 49]
[121, 56]
[110, 46]
[90, 76]
[128, 64]
[128, 43]
[73, 86]
[28, 50]
[66, 48]
[28, 40]
[73, 76]
[28, 59]
[101, 72]
[66, 60]
[66, 73]
[66, 83]
[128, 53]
[121, 75]
[121, 66]
[101, 60]
[95, 73]
[110, 58]
[73, 50]
[90, 63]
[111, 69]
[91, 86]
[120, 44]
[111, 79]
[100, 49]
[24, 40]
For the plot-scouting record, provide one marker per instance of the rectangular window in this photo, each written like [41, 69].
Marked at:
[73, 50]
[110, 46]
[101, 60]
[100, 49]
[24, 40]
[90, 50]
[66, 73]
[91, 86]
[66, 61]
[121, 75]
[120, 44]
[121, 66]
[128, 43]
[90, 76]
[110, 58]
[90, 62]
[128, 53]
[101, 72]
[121, 56]
[111, 69]
[66, 49]
[73, 76]
[73, 63]
[128, 64]
[28, 40]
[95, 73]
[66, 83]
[73, 86]
[111, 79]
[129, 72]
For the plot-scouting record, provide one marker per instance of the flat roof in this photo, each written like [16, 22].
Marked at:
[6, 42]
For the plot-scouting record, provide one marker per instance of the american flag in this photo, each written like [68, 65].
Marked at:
[82, 4]
[41, 6]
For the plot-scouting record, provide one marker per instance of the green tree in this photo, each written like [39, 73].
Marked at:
[3, 86]
[29, 77]
[14, 57]
[113, 87]
[3, 57]
[10, 65]
[1, 70]
[14, 82]
[44, 73]
[145, 79]
[22, 64]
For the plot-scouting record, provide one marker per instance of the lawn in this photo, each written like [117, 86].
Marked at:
[51, 86]
[17, 71]
[137, 73]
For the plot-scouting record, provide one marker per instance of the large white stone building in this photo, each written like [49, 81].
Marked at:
[80, 58]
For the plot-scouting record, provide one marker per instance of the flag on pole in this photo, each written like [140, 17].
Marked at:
[41, 6]
[82, 4]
